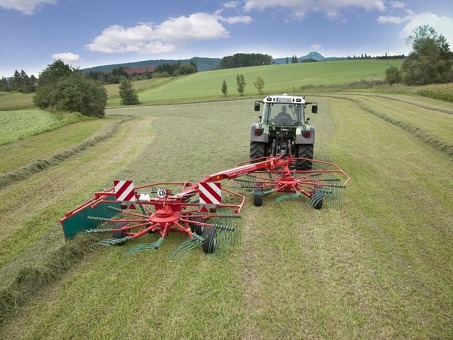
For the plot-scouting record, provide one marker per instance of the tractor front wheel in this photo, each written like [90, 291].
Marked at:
[210, 240]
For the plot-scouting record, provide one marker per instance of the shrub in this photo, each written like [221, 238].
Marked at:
[392, 75]
[65, 89]
[259, 84]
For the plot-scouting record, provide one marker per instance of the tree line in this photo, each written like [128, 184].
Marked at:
[244, 60]
[19, 82]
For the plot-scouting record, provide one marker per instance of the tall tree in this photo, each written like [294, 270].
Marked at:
[429, 60]
[127, 93]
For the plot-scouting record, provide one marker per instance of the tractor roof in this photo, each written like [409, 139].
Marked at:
[284, 99]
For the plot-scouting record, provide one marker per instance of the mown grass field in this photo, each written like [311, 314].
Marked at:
[379, 266]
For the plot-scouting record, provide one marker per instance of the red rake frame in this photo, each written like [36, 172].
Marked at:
[170, 212]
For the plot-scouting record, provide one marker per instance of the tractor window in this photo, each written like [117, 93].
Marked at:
[300, 114]
[284, 114]
[267, 113]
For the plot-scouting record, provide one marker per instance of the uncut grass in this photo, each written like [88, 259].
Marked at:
[27, 150]
[20, 124]
[113, 90]
[15, 100]
[278, 78]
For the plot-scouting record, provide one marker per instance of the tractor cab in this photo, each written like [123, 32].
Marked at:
[284, 110]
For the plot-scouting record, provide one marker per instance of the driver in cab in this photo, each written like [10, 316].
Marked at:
[283, 117]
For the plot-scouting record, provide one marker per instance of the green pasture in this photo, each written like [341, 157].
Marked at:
[18, 124]
[379, 266]
[15, 101]
[288, 78]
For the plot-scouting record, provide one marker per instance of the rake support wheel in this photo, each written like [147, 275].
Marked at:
[117, 234]
[210, 240]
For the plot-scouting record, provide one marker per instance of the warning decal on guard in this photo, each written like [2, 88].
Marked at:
[124, 191]
[210, 193]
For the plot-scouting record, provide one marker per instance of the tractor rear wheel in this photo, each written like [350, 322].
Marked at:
[304, 151]
[210, 240]
[257, 150]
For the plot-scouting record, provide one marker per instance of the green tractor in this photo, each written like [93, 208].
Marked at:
[283, 128]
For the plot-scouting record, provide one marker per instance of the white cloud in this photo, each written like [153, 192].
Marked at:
[67, 57]
[443, 25]
[300, 8]
[198, 26]
[392, 19]
[231, 4]
[239, 19]
[28, 7]
[398, 4]
[170, 35]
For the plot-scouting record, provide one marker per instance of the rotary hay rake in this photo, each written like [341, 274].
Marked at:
[205, 211]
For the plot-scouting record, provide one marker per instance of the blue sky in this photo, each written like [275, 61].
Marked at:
[86, 33]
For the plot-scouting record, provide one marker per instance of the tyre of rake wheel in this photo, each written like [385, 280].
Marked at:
[198, 229]
[117, 234]
[318, 202]
[210, 240]
[258, 197]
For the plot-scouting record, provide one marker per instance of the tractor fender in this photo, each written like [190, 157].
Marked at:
[300, 139]
[257, 136]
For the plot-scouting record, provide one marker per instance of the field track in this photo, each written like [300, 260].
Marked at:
[380, 266]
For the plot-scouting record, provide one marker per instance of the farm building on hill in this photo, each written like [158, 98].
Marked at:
[139, 70]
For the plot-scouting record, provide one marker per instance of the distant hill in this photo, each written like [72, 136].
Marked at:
[313, 56]
[203, 64]
[310, 56]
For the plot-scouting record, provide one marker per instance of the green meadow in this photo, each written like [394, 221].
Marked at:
[377, 266]
[288, 78]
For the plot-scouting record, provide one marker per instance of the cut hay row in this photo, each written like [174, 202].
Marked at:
[432, 126]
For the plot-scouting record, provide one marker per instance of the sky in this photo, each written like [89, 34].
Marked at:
[87, 33]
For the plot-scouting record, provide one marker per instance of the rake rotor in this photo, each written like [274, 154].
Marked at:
[323, 183]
